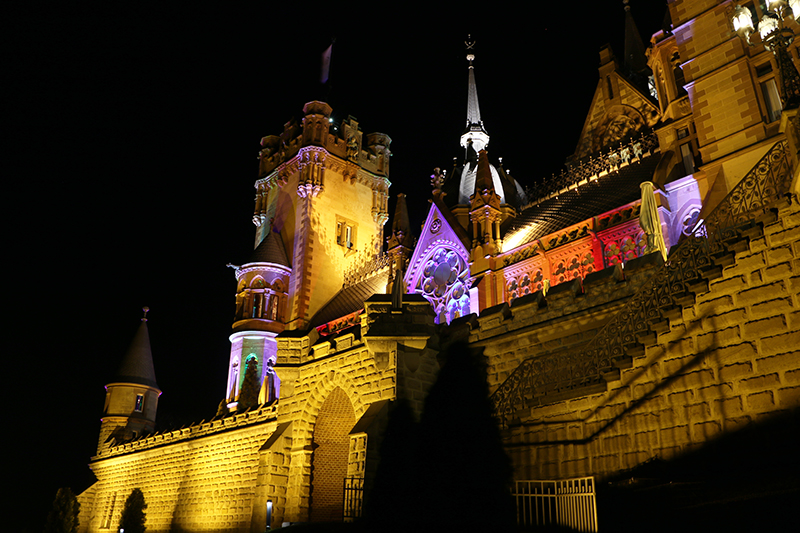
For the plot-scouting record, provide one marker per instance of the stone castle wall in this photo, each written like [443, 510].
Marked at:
[219, 475]
[730, 359]
[189, 484]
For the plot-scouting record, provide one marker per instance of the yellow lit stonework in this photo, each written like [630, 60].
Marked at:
[337, 331]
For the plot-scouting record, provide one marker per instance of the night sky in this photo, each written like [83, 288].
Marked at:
[133, 132]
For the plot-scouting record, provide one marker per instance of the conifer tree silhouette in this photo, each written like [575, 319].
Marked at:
[393, 491]
[63, 517]
[133, 514]
[465, 475]
[449, 472]
[248, 397]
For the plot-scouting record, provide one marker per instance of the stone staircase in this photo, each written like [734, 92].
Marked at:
[692, 265]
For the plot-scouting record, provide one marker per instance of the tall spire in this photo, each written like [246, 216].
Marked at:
[475, 134]
[635, 60]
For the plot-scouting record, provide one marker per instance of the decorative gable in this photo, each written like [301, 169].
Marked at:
[439, 267]
[618, 112]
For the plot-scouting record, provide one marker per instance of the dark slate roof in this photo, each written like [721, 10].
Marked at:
[270, 250]
[350, 299]
[137, 366]
[590, 200]
[453, 182]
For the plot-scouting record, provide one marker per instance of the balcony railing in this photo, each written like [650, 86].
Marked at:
[633, 151]
[366, 268]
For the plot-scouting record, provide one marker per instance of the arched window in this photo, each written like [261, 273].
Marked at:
[272, 309]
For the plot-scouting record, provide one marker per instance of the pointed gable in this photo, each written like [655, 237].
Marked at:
[439, 267]
[618, 111]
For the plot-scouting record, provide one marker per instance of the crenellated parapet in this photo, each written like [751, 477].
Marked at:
[369, 152]
[215, 426]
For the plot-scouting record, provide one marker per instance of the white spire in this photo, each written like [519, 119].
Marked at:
[475, 134]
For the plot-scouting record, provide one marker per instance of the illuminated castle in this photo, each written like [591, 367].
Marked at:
[601, 355]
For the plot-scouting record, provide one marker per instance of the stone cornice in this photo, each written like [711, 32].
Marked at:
[318, 156]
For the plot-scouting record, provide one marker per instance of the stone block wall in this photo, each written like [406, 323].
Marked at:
[208, 482]
[219, 475]
[569, 315]
[730, 359]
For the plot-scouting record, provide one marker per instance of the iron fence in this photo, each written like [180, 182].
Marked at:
[566, 503]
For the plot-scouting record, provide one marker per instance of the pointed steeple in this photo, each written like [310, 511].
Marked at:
[485, 192]
[400, 244]
[475, 134]
[132, 397]
[137, 365]
[635, 62]
[401, 227]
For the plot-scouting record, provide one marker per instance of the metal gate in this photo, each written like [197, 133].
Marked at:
[569, 503]
[353, 498]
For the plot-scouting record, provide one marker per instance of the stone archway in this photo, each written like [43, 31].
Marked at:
[331, 441]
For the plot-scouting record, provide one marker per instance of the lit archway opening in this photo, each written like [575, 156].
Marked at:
[329, 463]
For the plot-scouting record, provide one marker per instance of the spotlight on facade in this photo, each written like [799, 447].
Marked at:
[776, 37]
[269, 514]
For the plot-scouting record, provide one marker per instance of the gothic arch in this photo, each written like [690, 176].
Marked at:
[331, 446]
[322, 389]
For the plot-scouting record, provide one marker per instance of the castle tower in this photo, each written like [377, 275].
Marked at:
[132, 397]
[324, 189]
[321, 203]
[261, 301]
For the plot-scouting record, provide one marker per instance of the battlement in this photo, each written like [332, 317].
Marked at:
[266, 413]
[347, 142]
[598, 289]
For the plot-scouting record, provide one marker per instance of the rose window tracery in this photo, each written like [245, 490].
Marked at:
[444, 283]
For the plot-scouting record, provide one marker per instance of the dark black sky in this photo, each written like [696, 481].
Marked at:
[134, 131]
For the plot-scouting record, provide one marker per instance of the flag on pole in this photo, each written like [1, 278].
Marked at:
[326, 64]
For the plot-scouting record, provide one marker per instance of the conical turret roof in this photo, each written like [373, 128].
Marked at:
[270, 250]
[137, 365]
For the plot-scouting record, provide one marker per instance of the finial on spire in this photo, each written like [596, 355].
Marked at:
[470, 46]
[145, 309]
[437, 180]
